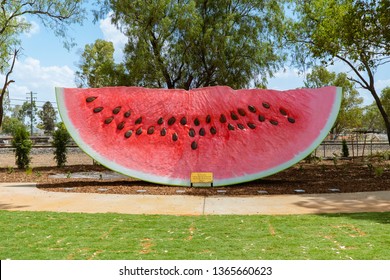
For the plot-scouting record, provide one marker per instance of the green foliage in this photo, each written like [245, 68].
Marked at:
[379, 171]
[372, 118]
[27, 113]
[10, 169]
[335, 160]
[57, 15]
[345, 150]
[29, 171]
[354, 32]
[61, 138]
[22, 144]
[350, 115]
[48, 117]
[313, 159]
[10, 125]
[98, 68]
[191, 44]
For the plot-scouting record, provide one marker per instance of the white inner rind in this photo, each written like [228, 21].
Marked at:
[186, 182]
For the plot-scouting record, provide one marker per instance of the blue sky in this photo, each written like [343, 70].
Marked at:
[45, 63]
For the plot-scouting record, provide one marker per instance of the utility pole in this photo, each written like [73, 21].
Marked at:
[31, 97]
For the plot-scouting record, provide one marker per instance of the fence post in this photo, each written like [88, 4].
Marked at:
[323, 144]
[357, 146]
[371, 146]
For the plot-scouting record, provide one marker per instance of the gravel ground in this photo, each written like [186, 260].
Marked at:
[44, 157]
[318, 177]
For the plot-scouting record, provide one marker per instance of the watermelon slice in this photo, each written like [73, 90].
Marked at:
[162, 135]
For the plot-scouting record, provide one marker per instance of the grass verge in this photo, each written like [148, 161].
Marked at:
[44, 235]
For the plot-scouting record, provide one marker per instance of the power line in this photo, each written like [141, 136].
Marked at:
[16, 99]
[35, 106]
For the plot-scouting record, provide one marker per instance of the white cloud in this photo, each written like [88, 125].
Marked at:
[34, 29]
[30, 75]
[113, 34]
[287, 78]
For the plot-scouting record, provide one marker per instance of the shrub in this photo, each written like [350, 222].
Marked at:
[345, 150]
[61, 138]
[22, 144]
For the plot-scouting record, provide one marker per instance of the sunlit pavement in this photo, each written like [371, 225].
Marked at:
[26, 197]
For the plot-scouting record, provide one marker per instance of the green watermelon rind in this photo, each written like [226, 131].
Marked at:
[186, 182]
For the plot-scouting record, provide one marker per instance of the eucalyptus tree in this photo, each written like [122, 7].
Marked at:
[355, 32]
[57, 15]
[97, 67]
[198, 43]
[351, 112]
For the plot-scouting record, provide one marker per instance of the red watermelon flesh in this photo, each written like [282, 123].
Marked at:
[163, 135]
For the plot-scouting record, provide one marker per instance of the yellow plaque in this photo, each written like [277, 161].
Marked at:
[201, 177]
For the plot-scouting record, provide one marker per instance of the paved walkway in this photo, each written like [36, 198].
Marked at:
[26, 197]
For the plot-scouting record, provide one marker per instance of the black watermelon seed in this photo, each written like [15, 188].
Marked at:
[128, 133]
[121, 125]
[175, 137]
[138, 121]
[191, 132]
[208, 119]
[291, 120]
[230, 126]
[139, 131]
[117, 110]
[241, 112]
[241, 126]
[261, 118]
[283, 112]
[222, 118]
[151, 130]
[213, 130]
[196, 122]
[163, 132]
[108, 120]
[252, 108]
[90, 99]
[171, 120]
[127, 114]
[183, 121]
[160, 121]
[98, 109]
[266, 105]
[194, 145]
[251, 125]
[274, 122]
[234, 116]
[202, 132]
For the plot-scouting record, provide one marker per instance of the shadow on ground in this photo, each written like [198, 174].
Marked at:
[4, 206]
[357, 203]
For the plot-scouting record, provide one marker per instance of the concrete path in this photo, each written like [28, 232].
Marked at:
[26, 197]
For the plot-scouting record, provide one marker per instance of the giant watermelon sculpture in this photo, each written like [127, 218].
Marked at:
[162, 135]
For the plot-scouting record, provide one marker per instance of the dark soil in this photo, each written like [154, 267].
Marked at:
[319, 177]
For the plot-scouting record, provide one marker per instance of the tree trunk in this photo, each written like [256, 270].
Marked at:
[1, 109]
[382, 111]
[7, 82]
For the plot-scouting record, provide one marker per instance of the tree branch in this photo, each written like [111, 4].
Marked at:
[367, 85]
[7, 82]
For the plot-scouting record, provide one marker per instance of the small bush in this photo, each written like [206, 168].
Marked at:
[345, 150]
[22, 144]
[61, 138]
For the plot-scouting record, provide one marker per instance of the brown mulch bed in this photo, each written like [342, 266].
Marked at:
[347, 176]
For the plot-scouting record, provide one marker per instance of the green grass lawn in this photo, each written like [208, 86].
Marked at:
[43, 235]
